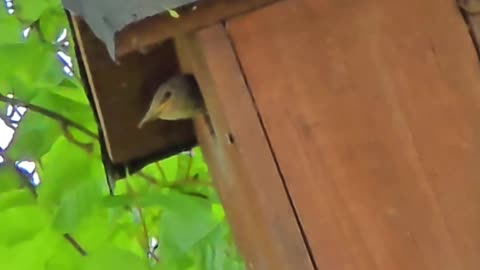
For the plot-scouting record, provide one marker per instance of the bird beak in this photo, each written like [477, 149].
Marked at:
[152, 114]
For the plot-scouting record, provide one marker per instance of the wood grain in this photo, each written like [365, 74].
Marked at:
[373, 112]
[121, 95]
[156, 29]
[239, 158]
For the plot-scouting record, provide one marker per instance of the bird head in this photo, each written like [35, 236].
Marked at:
[176, 99]
[161, 103]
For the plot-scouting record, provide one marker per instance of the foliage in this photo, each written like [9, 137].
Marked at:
[70, 221]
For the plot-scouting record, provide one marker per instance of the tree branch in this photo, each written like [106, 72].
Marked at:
[162, 172]
[87, 147]
[177, 185]
[53, 115]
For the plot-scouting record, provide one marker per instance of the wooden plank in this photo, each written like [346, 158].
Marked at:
[121, 95]
[239, 158]
[157, 29]
[373, 112]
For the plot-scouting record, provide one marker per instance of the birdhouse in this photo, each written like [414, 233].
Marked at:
[341, 134]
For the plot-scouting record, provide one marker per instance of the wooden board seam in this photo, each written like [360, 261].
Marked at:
[267, 138]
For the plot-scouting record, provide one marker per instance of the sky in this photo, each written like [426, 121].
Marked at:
[6, 137]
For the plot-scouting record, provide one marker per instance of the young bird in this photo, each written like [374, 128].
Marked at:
[176, 99]
[470, 6]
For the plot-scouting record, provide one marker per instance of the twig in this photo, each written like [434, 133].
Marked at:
[178, 185]
[154, 256]
[152, 180]
[142, 219]
[75, 244]
[188, 182]
[189, 166]
[87, 147]
[145, 229]
[162, 172]
[53, 115]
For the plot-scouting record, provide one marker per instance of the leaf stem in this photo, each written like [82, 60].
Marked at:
[45, 112]
[75, 244]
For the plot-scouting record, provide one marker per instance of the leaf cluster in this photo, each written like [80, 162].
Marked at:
[166, 216]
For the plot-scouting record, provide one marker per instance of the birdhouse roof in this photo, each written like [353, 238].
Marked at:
[107, 17]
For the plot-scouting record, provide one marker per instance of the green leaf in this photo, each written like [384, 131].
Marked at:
[52, 23]
[72, 196]
[11, 30]
[65, 257]
[118, 201]
[15, 198]
[135, 182]
[173, 13]
[36, 66]
[76, 205]
[79, 113]
[17, 225]
[30, 10]
[38, 254]
[217, 212]
[10, 178]
[184, 165]
[106, 227]
[154, 172]
[169, 168]
[174, 261]
[71, 90]
[186, 220]
[215, 251]
[65, 166]
[112, 258]
[34, 137]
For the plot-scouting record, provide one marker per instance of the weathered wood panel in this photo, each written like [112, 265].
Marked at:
[239, 157]
[154, 30]
[373, 112]
[122, 94]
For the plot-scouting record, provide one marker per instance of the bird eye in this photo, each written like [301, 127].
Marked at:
[167, 95]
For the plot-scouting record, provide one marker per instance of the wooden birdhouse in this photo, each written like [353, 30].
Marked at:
[346, 134]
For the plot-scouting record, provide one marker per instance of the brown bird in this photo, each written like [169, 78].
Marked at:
[176, 99]
[470, 6]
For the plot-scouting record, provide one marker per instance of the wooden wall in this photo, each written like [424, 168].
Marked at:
[372, 109]
[347, 133]
[239, 159]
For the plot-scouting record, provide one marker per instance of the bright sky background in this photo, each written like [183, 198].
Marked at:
[6, 135]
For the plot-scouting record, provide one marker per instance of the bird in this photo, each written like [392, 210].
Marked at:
[178, 98]
[470, 6]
